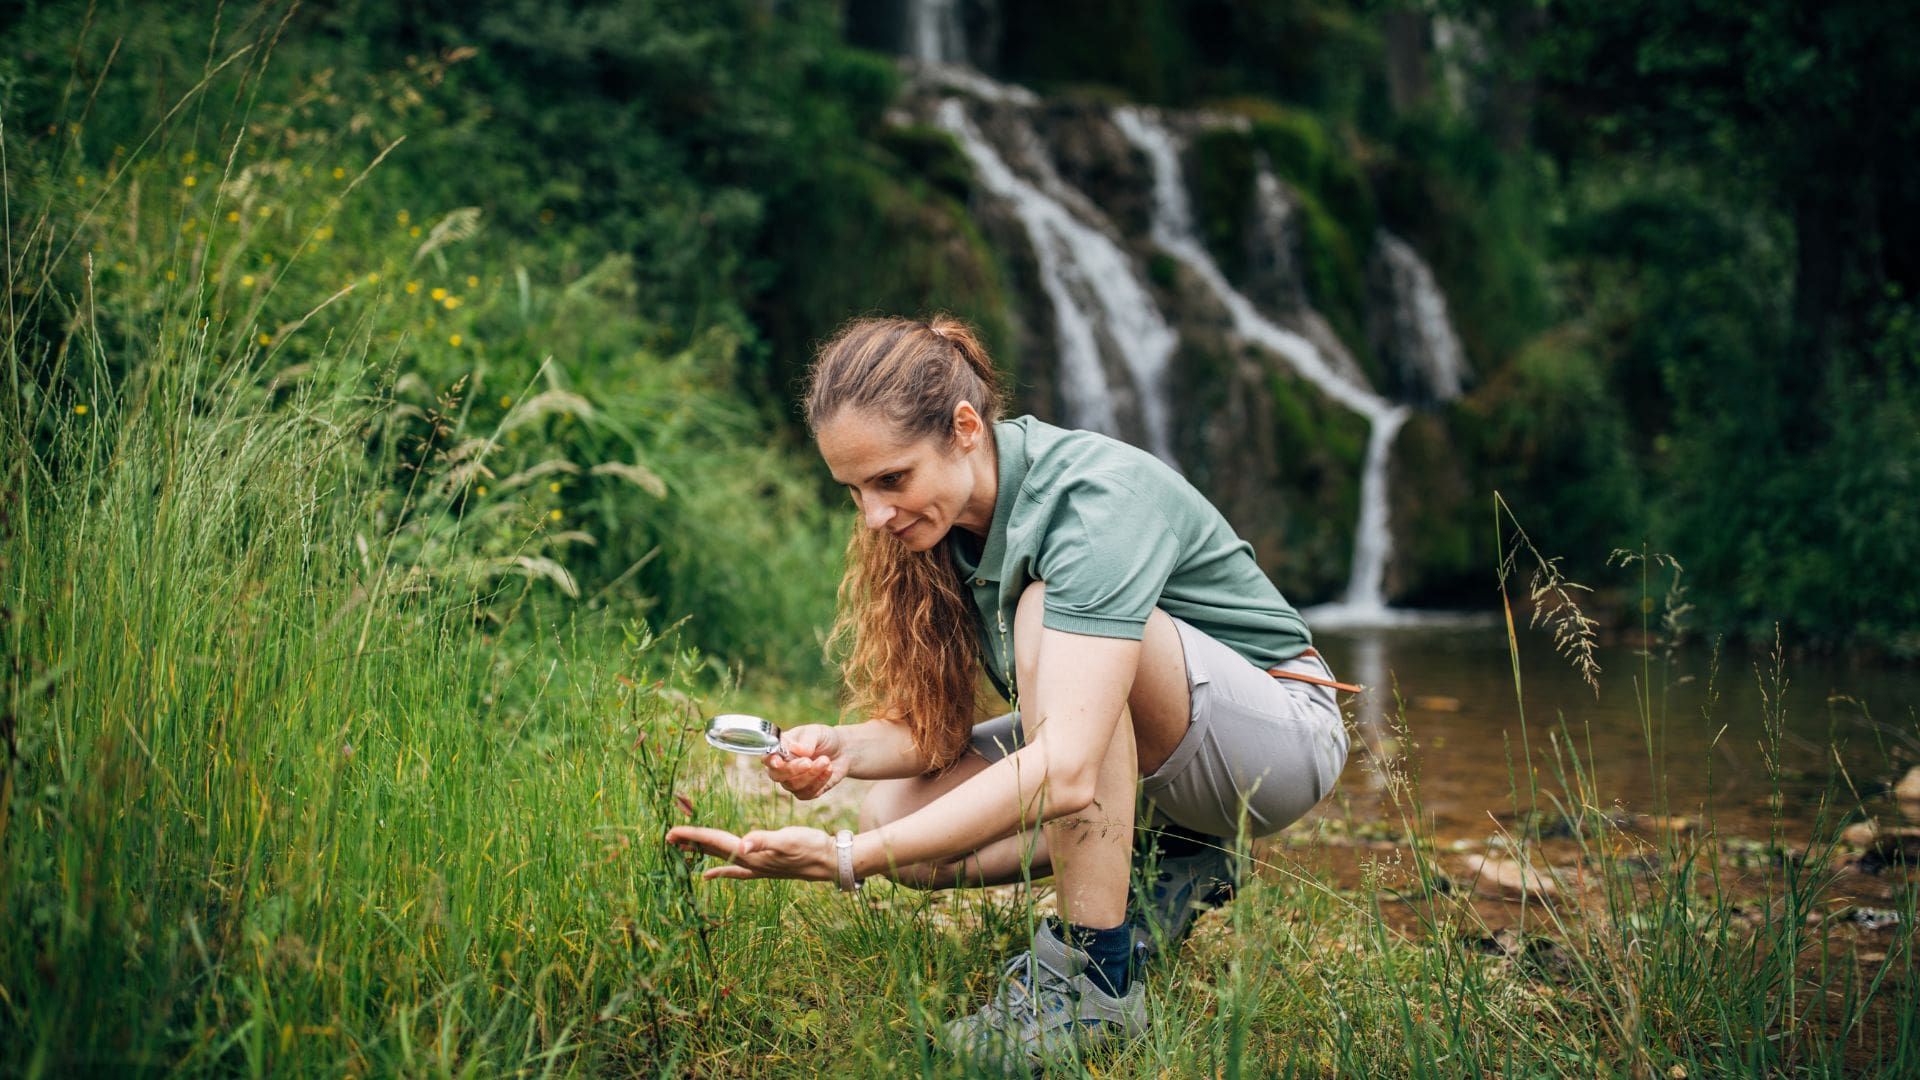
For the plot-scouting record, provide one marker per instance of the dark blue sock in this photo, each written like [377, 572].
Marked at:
[1111, 952]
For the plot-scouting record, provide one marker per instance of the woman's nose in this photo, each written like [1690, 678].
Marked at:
[876, 512]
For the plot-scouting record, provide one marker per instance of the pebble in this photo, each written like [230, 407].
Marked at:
[1908, 789]
[1504, 878]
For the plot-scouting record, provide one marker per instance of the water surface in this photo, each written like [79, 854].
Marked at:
[1465, 743]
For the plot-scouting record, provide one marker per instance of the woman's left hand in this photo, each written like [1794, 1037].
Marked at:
[792, 852]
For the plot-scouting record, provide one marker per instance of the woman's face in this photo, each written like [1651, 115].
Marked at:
[915, 489]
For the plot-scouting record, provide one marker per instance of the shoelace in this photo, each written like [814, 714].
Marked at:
[1017, 991]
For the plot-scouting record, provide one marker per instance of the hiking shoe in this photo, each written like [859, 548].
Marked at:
[1046, 1011]
[1183, 886]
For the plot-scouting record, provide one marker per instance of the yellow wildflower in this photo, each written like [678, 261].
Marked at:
[266, 339]
[472, 282]
[505, 401]
[324, 232]
[188, 158]
[415, 231]
[265, 211]
[438, 293]
[191, 180]
[233, 215]
[451, 302]
[554, 514]
[120, 266]
[170, 275]
[554, 487]
[454, 341]
[373, 278]
[412, 287]
[80, 181]
[402, 217]
[79, 410]
[339, 173]
[246, 281]
[481, 490]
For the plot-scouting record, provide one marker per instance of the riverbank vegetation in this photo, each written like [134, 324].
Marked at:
[397, 467]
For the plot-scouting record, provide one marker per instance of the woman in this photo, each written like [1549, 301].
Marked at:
[1114, 606]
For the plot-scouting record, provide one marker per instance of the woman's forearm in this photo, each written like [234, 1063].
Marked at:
[1011, 793]
[881, 750]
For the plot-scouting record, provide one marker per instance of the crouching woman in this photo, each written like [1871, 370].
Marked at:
[1155, 669]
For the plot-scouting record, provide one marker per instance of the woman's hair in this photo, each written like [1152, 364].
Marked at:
[913, 656]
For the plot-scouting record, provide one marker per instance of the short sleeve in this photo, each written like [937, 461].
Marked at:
[1106, 558]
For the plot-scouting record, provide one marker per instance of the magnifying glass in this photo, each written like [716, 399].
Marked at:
[744, 733]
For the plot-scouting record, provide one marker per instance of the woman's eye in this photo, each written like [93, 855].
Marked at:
[891, 480]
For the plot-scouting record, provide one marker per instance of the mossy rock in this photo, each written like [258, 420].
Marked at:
[1319, 449]
[862, 240]
[1441, 548]
[1221, 175]
[932, 154]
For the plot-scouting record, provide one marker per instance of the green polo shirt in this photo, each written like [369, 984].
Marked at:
[1114, 532]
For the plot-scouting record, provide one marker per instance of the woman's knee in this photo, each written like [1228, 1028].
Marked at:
[888, 801]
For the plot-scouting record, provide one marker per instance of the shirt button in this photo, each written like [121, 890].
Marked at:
[979, 581]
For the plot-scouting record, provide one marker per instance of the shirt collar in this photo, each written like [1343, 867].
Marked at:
[1010, 447]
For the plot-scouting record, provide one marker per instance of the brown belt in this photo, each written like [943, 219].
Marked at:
[1314, 679]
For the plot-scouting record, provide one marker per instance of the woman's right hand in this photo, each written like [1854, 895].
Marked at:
[817, 761]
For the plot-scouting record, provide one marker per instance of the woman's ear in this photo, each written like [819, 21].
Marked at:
[968, 427]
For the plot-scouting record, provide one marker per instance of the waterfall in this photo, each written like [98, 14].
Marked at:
[1173, 231]
[1091, 283]
[1273, 220]
[933, 32]
[1112, 339]
[1416, 333]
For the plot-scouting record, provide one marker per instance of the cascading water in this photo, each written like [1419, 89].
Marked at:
[1173, 231]
[1418, 335]
[933, 32]
[1099, 300]
[1091, 283]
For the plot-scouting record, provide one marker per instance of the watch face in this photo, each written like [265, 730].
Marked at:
[741, 733]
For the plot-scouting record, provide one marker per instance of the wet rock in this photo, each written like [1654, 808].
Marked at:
[1506, 879]
[1859, 835]
[1867, 918]
[1882, 846]
[1436, 703]
[1908, 789]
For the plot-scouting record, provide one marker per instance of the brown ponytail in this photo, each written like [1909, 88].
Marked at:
[906, 622]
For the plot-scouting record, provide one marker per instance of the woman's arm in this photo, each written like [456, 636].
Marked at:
[1077, 689]
[1074, 700]
[881, 750]
[818, 756]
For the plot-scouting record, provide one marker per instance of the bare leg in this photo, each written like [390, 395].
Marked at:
[1092, 851]
[1156, 719]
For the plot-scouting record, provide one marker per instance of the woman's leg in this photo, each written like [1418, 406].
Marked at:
[1155, 720]
[1092, 851]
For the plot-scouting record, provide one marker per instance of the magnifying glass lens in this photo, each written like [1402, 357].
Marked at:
[740, 733]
